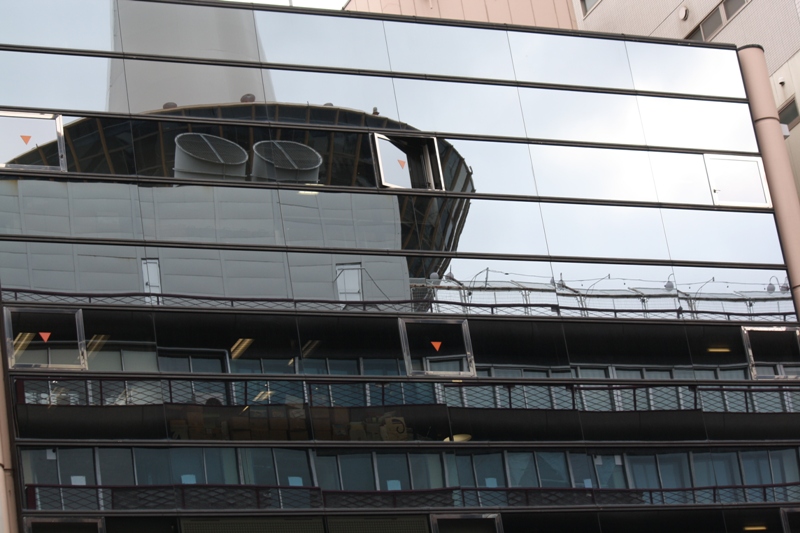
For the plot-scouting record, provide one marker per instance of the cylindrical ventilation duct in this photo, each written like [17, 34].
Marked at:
[208, 157]
[285, 161]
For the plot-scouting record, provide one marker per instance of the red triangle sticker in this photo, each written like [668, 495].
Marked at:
[402, 163]
[26, 138]
[45, 335]
[436, 345]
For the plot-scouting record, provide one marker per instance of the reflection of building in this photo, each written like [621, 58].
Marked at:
[557, 302]
[775, 25]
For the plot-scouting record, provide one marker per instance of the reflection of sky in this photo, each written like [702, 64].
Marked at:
[41, 131]
[85, 24]
[503, 227]
[55, 81]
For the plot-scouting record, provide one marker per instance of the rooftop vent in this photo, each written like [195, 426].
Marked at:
[286, 161]
[202, 156]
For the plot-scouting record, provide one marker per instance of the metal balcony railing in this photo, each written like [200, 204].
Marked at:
[521, 299]
[711, 397]
[251, 497]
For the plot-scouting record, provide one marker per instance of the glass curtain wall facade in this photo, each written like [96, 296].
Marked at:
[428, 276]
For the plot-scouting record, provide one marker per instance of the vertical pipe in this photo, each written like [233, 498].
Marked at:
[776, 160]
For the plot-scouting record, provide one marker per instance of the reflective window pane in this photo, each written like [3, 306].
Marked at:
[489, 470]
[186, 30]
[553, 469]
[543, 58]
[495, 168]
[577, 116]
[468, 52]
[737, 180]
[685, 69]
[293, 468]
[357, 472]
[680, 178]
[367, 94]
[593, 173]
[426, 471]
[258, 467]
[393, 471]
[24, 143]
[604, 231]
[644, 472]
[342, 42]
[187, 465]
[81, 24]
[502, 227]
[697, 124]
[522, 469]
[722, 236]
[444, 107]
[156, 85]
[84, 83]
[76, 466]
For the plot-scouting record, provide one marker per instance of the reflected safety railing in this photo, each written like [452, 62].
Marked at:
[493, 300]
[252, 497]
[735, 397]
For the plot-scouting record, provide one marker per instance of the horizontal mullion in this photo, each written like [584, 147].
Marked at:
[388, 253]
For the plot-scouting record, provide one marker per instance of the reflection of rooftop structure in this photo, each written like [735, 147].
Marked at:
[559, 302]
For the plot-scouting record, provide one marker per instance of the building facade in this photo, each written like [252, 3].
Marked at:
[267, 269]
[774, 24]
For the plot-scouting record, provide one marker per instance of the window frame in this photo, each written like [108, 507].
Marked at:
[430, 154]
[60, 143]
[79, 336]
[726, 18]
[713, 183]
[468, 355]
[795, 121]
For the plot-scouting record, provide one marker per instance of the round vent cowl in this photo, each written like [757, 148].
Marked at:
[202, 156]
[285, 161]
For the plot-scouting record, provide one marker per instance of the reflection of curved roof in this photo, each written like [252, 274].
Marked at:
[106, 145]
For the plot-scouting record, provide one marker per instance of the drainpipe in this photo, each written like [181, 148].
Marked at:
[776, 160]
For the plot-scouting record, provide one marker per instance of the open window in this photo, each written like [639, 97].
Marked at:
[26, 141]
[737, 180]
[773, 352]
[45, 339]
[408, 162]
[437, 347]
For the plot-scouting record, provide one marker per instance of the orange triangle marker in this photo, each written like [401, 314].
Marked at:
[26, 138]
[436, 345]
[402, 163]
[45, 335]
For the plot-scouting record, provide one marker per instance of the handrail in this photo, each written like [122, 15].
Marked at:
[424, 305]
[240, 497]
[493, 394]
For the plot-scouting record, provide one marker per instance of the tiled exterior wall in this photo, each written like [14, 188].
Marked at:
[545, 13]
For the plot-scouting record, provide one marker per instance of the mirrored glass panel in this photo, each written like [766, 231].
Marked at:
[604, 231]
[737, 180]
[321, 41]
[341, 220]
[468, 52]
[29, 141]
[577, 116]
[593, 173]
[157, 85]
[187, 30]
[471, 225]
[726, 292]
[570, 60]
[680, 178]
[368, 94]
[82, 24]
[494, 168]
[722, 236]
[685, 69]
[106, 210]
[451, 107]
[63, 82]
[589, 289]
[697, 124]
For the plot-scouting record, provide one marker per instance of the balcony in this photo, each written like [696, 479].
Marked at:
[399, 409]
[512, 299]
[234, 498]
